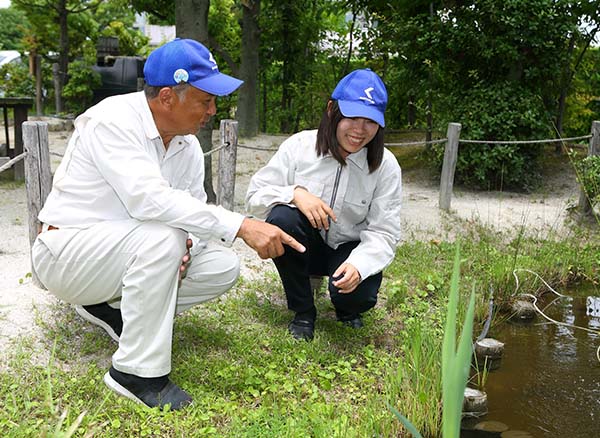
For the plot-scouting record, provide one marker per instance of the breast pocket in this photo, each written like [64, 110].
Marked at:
[356, 207]
[314, 187]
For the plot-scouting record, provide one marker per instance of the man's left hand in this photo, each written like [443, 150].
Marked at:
[185, 261]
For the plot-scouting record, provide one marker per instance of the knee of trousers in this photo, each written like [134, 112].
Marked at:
[163, 240]
[219, 272]
[287, 218]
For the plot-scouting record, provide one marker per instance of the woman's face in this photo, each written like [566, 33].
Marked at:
[354, 133]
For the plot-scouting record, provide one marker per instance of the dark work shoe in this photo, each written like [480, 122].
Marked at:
[152, 392]
[104, 316]
[302, 329]
[353, 321]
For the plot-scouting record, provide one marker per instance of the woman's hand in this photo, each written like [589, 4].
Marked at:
[349, 278]
[315, 210]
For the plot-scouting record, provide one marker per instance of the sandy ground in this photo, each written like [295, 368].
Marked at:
[23, 304]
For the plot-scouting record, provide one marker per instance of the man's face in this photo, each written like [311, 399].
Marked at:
[192, 111]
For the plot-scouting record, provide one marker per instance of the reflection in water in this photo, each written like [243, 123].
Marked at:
[549, 380]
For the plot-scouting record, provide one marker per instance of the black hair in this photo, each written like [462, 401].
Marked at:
[327, 139]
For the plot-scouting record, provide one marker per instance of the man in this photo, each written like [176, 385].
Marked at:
[129, 189]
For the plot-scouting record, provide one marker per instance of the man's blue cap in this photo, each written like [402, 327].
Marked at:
[362, 93]
[184, 60]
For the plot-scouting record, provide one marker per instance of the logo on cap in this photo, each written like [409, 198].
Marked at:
[181, 75]
[212, 59]
[369, 98]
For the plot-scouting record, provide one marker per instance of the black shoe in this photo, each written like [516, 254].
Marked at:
[152, 392]
[302, 329]
[353, 321]
[104, 316]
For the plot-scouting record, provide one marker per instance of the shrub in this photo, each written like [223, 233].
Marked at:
[502, 111]
[17, 82]
[79, 91]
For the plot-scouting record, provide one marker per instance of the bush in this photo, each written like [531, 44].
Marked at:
[503, 111]
[79, 91]
[17, 82]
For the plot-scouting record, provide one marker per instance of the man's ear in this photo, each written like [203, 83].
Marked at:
[166, 97]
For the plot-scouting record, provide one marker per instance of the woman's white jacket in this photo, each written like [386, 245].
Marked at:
[367, 205]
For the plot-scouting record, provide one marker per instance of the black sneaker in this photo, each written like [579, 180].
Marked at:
[152, 392]
[302, 329]
[104, 316]
[353, 321]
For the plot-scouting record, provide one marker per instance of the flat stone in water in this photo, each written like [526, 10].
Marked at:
[516, 434]
[491, 426]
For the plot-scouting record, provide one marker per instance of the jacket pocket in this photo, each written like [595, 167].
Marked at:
[356, 207]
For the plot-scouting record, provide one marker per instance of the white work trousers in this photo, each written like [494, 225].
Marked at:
[135, 266]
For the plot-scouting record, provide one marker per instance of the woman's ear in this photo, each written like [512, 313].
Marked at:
[329, 107]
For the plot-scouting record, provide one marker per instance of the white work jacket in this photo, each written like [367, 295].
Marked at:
[116, 168]
[367, 205]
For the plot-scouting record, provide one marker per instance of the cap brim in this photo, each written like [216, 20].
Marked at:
[219, 84]
[354, 109]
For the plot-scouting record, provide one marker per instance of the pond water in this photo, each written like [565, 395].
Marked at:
[548, 381]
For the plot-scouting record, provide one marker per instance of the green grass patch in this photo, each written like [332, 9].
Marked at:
[249, 378]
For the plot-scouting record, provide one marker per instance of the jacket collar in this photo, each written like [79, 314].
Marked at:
[147, 120]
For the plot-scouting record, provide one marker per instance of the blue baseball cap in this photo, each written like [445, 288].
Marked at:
[362, 93]
[185, 60]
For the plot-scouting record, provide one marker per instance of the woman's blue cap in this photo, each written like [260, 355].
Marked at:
[362, 93]
[185, 60]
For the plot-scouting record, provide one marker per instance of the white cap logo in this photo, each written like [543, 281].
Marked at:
[181, 75]
[369, 98]
[212, 59]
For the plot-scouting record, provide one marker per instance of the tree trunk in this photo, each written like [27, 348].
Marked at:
[247, 113]
[63, 54]
[191, 20]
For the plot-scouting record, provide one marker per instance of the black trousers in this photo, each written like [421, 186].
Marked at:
[296, 268]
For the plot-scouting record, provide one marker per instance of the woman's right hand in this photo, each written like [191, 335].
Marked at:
[313, 207]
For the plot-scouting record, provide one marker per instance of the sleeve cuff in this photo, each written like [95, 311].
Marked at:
[230, 223]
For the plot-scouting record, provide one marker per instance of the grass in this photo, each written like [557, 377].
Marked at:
[249, 379]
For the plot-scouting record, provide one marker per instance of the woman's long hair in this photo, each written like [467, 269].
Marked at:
[327, 139]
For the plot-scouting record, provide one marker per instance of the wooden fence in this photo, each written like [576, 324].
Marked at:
[451, 153]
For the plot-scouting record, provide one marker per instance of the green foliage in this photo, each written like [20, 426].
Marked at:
[499, 111]
[588, 175]
[79, 90]
[16, 82]
[583, 103]
[131, 41]
[13, 27]
[455, 360]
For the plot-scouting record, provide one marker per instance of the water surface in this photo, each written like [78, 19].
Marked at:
[548, 383]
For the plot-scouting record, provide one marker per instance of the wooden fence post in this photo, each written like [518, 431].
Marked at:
[449, 165]
[593, 149]
[38, 176]
[227, 161]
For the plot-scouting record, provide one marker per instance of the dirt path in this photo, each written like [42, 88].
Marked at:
[22, 303]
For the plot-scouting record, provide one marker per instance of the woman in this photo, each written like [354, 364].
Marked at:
[337, 191]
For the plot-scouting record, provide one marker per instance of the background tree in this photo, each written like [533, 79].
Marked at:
[50, 18]
[247, 113]
[13, 28]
